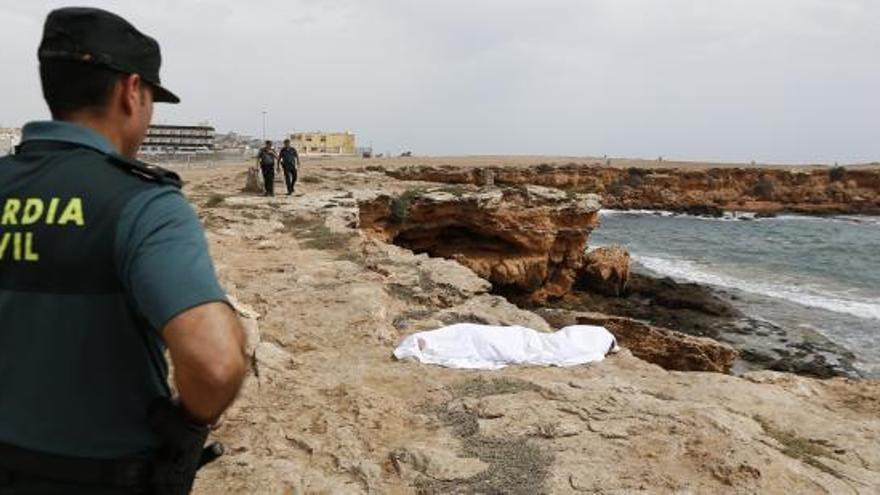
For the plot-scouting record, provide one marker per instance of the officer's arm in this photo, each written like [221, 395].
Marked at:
[206, 344]
[164, 266]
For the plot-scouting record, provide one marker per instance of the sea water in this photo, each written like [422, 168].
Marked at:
[819, 273]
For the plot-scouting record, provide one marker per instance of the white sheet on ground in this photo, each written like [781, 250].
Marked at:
[473, 346]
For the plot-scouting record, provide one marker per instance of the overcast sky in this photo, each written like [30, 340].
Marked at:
[766, 80]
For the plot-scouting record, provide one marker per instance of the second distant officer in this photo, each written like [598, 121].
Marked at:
[289, 161]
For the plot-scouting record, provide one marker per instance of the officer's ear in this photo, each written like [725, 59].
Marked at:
[135, 93]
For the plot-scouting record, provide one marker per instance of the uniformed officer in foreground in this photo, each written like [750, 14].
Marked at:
[103, 264]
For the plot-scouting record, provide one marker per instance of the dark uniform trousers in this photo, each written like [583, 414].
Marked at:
[12, 483]
[289, 176]
[268, 179]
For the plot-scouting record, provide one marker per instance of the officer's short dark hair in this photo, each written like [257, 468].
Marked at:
[70, 86]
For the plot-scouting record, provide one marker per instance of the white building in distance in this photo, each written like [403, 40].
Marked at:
[178, 139]
[9, 139]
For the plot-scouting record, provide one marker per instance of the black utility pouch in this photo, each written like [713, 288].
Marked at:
[183, 449]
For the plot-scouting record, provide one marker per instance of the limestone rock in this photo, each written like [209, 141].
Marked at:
[670, 349]
[242, 309]
[253, 181]
[606, 270]
[437, 463]
[529, 240]
[491, 310]
[666, 348]
[269, 355]
[454, 276]
[248, 317]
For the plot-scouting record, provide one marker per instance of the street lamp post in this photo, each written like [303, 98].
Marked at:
[264, 125]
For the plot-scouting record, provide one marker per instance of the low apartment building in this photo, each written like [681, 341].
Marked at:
[178, 139]
[324, 143]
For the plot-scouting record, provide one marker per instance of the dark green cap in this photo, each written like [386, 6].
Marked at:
[95, 36]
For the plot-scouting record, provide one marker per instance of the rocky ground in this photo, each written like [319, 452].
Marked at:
[326, 408]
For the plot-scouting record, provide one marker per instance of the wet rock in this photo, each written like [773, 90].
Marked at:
[676, 295]
[702, 210]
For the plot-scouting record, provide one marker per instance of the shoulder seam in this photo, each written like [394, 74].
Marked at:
[146, 171]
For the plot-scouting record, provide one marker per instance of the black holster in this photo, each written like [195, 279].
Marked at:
[183, 449]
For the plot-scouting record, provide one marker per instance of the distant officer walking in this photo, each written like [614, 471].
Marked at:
[104, 265]
[266, 159]
[289, 162]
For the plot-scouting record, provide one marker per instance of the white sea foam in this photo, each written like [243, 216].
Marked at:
[656, 213]
[728, 216]
[873, 221]
[747, 215]
[803, 294]
[851, 219]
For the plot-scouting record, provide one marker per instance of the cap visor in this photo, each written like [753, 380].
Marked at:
[162, 95]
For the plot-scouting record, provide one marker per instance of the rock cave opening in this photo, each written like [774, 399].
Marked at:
[449, 241]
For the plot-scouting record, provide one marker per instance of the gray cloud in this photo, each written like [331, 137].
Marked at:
[777, 80]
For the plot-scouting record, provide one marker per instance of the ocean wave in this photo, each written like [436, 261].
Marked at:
[728, 216]
[800, 294]
[735, 215]
[656, 213]
[866, 220]
[850, 219]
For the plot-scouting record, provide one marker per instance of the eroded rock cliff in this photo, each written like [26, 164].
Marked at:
[526, 240]
[700, 191]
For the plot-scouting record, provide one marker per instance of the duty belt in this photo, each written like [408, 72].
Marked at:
[132, 472]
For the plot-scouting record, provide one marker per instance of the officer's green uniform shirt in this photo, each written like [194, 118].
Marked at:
[160, 263]
[161, 254]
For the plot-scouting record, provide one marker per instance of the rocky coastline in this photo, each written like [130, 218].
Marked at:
[704, 191]
[530, 242]
[704, 311]
[326, 295]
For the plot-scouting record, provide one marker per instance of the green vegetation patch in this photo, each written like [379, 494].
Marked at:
[321, 237]
[455, 190]
[400, 205]
[480, 387]
[214, 200]
[314, 234]
[516, 466]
